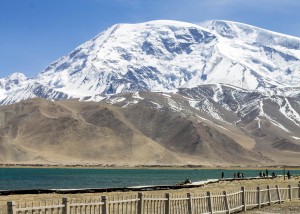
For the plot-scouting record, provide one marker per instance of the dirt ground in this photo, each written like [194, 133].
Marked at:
[286, 207]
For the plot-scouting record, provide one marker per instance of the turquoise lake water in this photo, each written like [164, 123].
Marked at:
[75, 178]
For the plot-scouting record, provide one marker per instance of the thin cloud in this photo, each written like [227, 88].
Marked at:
[268, 5]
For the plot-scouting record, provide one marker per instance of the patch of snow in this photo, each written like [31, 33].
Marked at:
[133, 102]
[96, 98]
[156, 104]
[207, 108]
[202, 118]
[175, 106]
[261, 108]
[277, 124]
[114, 100]
[218, 93]
[258, 122]
[166, 95]
[290, 113]
[222, 127]
[136, 95]
[193, 103]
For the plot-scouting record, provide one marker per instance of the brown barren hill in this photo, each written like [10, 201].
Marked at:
[125, 133]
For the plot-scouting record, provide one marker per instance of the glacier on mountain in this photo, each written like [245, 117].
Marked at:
[164, 56]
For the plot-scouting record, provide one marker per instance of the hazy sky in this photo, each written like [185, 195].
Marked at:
[36, 32]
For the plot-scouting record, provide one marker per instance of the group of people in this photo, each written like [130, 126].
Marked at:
[261, 174]
[235, 175]
[238, 175]
[266, 174]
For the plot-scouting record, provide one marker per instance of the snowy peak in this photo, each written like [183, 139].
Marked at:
[148, 56]
[272, 58]
[149, 38]
[12, 81]
[164, 56]
[15, 77]
[255, 35]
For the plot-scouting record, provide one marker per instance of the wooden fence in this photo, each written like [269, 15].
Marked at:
[144, 203]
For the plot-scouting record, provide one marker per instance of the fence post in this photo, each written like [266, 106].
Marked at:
[258, 197]
[278, 194]
[190, 203]
[226, 202]
[299, 190]
[140, 203]
[167, 205]
[269, 194]
[66, 208]
[11, 207]
[105, 205]
[244, 199]
[210, 204]
[290, 192]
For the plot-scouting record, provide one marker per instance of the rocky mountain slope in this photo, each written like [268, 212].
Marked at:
[190, 127]
[73, 132]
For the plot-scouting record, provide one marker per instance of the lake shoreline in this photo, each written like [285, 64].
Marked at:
[140, 188]
[100, 166]
[43, 178]
[213, 187]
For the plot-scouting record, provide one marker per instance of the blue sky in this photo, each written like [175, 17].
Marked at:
[36, 32]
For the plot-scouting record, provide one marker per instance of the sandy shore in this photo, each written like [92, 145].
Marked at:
[214, 187]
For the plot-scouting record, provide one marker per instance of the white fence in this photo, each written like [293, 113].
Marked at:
[208, 202]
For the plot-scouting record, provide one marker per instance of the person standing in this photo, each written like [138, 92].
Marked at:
[222, 175]
[273, 175]
[288, 174]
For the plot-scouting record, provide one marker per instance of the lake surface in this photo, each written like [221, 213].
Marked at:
[76, 178]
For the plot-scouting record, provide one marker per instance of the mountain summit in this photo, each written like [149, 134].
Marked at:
[164, 56]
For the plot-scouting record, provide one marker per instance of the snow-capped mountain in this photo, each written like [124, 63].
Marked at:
[13, 81]
[221, 91]
[273, 56]
[164, 56]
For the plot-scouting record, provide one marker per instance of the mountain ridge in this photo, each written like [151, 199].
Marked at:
[208, 125]
[163, 56]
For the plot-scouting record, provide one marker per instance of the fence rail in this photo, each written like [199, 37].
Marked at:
[209, 202]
